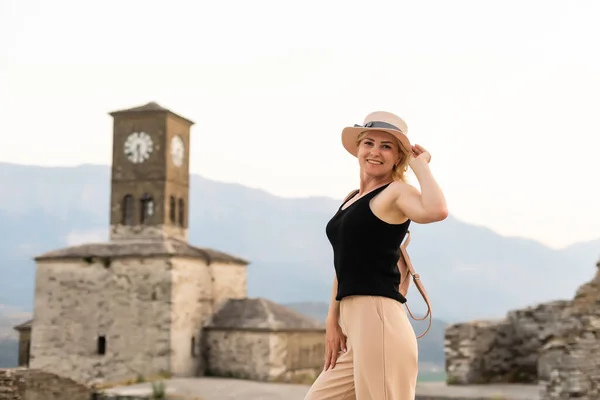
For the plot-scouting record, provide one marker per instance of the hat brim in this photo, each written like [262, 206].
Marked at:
[350, 134]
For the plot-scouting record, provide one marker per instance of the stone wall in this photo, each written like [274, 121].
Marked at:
[533, 327]
[191, 308]
[124, 232]
[238, 354]
[127, 302]
[297, 356]
[229, 281]
[28, 384]
[264, 355]
[555, 344]
[501, 351]
[569, 363]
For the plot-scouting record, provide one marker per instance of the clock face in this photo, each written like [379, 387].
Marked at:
[177, 151]
[138, 147]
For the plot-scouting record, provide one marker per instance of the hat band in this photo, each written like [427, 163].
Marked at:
[378, 124]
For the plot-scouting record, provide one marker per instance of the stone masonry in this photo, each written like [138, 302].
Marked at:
[116, 311]
[28, 384]
[261, 340]
[500, 351]
[556, 345]
[149, 196]
[569, 363]
[124, 232]
[77, 304]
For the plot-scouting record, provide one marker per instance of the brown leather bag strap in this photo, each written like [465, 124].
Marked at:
[418, 283]
[350, 195]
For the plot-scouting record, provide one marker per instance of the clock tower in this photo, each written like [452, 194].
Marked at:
[150, 174]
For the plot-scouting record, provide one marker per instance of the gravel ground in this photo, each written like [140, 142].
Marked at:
[206, 388]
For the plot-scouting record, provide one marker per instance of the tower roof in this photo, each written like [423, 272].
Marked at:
[149, 107]
[261, 315]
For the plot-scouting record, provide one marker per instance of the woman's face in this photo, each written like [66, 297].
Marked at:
[377, 153]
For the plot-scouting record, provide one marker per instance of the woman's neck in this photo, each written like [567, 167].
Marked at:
[368, 183]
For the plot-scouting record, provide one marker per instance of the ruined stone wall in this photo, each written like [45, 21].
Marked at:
[533, 327]
[569, 363]
[501, 351]
[127, 302]
[29, 384]
[191, 307]
[467, 349]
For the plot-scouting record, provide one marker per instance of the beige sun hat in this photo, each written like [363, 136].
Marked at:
[376, 121]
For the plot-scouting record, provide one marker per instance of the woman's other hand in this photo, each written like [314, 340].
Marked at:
[335, 340]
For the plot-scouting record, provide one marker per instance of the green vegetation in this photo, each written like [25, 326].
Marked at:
[158, 390]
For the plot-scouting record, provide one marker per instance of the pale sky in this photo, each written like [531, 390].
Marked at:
[504, 94]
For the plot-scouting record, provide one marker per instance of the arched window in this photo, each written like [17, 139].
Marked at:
[172, 210]
[181, 213]
[147, 208]
[127, 210]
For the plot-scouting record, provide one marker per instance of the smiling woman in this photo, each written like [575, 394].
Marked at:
[387, 143]
[366, 322]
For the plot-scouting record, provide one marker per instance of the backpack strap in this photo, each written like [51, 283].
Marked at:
[405, 267]
[350, 195]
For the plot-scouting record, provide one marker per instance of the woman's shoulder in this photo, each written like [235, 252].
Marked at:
[400, 187]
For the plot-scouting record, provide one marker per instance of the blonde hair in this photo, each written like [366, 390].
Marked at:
[400, 169]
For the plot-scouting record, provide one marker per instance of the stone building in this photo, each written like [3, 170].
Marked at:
[24, 330]
[554, 345]
[261, 340]
[137, 304]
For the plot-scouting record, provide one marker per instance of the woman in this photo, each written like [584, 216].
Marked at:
[366, 322]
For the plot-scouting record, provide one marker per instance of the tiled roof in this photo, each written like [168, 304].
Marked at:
[141, 248]
[260, 314]
[150, 107]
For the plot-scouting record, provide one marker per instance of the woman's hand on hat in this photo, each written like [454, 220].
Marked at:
[420, 153]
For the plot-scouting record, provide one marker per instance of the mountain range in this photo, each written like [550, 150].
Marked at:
[470, 272]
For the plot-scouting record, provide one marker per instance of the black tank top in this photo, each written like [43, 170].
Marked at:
[365, 250]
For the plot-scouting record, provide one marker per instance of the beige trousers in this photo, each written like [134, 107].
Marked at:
[381, 362]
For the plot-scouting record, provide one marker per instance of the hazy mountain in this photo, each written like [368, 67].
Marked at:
[8, 337]
[9, 353]
[469, 271]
